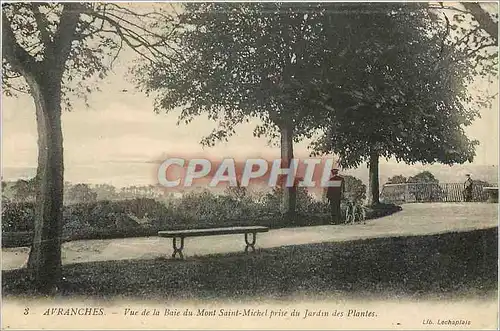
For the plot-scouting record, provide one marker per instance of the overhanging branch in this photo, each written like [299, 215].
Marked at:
[65, 33]
[133, 37]
[18, 58]
[484, 19]
[42, 23]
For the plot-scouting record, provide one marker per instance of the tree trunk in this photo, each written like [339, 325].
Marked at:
[289, 201]
[42, 159]
[373, 180]
[45, 256]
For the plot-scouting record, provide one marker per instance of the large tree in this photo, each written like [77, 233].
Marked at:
[404, 92]
[244, 60]
[52, 51]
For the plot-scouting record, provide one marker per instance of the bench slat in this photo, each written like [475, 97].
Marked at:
[212, 231]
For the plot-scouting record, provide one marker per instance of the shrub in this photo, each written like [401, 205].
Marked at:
[272, 200]
[206, 208]
[145, 216]
[355, 189]
[18, 216]
[100, 215]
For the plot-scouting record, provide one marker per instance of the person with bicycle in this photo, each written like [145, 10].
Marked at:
[355, 211]
[335, 194]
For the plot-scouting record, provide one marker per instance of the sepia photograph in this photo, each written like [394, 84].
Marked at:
[249, 165]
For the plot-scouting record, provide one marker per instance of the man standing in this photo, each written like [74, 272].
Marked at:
[468, 189]
[335, 194]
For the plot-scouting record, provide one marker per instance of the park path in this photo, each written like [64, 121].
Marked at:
[414, 219]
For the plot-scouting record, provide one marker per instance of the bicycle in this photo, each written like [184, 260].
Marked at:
[355, 211]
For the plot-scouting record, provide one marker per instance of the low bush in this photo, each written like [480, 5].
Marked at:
[18, 216]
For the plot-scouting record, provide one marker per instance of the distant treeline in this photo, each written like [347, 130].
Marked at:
[24, 191]
[426, 177]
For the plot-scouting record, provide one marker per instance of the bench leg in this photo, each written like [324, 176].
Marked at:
[250, 244]
[177, 250]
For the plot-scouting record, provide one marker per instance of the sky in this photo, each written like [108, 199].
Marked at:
[118, 137]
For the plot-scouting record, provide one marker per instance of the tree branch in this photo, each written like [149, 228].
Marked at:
[446, 34]
[65, 33]
[140, 38]
[477, 49]
[16, 56]
[129, 12]
[132, 38]
[455, 9]
[87, 25]
[117, 53]
[42, 24]
[17, 89]
[484, 19]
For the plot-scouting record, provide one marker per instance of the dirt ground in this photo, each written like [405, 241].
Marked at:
[414, 219]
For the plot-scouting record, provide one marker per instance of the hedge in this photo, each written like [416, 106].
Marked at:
[145, 217]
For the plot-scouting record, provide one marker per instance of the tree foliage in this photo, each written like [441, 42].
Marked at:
[24, 190]
[81, 193]
[423, 177]
[242, 61]
[355, 190]
[388, 80]
[404, 92]
[105, 192]
[35, 32]
[397, 179]
[486, 20]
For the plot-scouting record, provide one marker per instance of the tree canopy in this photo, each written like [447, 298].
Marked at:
[242, 61]
[385, 79]
[405, 92]
[86, 38]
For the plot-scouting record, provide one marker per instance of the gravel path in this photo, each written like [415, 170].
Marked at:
[414, 219]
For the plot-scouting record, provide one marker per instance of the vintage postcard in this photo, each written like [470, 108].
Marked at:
[250, 165]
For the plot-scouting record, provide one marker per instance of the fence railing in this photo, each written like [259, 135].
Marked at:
[430, 192]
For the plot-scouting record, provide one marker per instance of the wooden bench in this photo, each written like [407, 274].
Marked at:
[181, 234]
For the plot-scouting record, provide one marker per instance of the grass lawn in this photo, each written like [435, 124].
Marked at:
[447, 265]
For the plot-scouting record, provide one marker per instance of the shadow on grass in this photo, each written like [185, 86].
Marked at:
[451, 265]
